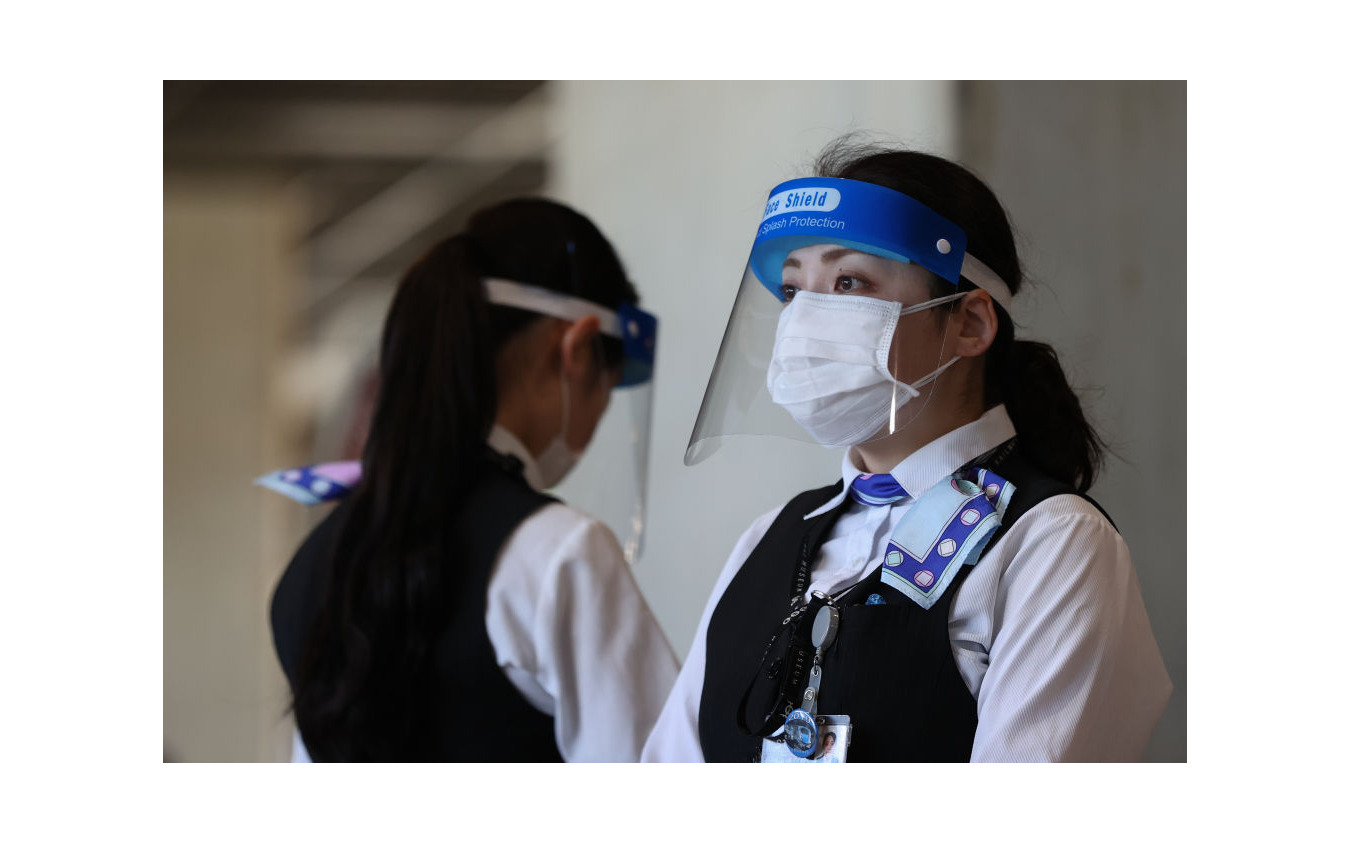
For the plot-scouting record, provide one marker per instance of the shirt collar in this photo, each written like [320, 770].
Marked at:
[505, 442]
[937, 460]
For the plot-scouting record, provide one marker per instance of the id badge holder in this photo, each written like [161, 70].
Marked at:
[834, 732]
[806, 736]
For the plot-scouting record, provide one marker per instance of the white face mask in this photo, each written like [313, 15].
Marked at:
[557, 459]
[830, 365]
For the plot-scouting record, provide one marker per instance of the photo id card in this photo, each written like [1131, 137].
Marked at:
[831, 746]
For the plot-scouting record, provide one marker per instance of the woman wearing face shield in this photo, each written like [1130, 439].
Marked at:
[448, 609]
[954, 595]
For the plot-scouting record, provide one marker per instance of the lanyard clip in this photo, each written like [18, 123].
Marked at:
[820, 597]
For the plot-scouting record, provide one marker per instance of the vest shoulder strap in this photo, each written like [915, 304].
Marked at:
[1033, 486]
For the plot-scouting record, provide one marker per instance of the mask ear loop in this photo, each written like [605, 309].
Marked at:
[940, 367]
[566, 407]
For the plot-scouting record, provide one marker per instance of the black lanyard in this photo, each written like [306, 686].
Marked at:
[790, 668]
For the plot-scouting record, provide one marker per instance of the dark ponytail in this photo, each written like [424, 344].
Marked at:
[361, 686]
[1051, 426]
[1024, 375]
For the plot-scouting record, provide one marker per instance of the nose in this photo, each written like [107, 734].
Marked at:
[818, 279]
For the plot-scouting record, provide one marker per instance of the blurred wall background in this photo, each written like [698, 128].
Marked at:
[229, 277]
[1093, 175]
[291, 208]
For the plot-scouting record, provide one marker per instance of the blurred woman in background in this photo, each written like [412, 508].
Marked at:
[448, 609]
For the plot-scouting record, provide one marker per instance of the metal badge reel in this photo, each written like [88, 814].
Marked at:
[825, 628]
[800, 730]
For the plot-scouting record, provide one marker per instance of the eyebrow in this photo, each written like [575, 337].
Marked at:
[825, 257]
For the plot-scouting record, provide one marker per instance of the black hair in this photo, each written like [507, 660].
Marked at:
[1026, 376]
[367, 654]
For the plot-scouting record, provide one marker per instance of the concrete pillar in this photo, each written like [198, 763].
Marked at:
[228, 280]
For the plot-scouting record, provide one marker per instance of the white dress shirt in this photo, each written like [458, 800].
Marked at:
[572, 632]
[1048, 630]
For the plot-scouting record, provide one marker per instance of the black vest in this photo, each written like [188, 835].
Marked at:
[890, 669]
[480, 716]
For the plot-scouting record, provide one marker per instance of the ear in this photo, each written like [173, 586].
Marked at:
[578, 345]
[976, 324]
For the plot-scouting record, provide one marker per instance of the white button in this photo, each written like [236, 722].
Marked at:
[943, 246]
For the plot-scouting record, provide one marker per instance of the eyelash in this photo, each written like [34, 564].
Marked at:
[861, 284]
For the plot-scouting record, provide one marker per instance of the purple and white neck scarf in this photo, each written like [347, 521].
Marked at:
[945, 528]
[314, 484]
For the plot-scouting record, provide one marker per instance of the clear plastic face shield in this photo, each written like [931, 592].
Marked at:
[610, 480]
[834, 337]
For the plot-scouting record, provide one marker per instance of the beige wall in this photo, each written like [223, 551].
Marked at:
[226, 279]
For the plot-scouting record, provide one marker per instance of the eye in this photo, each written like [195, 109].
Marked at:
[788, 292]
[850, 284]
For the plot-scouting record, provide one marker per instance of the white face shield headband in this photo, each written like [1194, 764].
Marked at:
[634, 327]
[816, 370]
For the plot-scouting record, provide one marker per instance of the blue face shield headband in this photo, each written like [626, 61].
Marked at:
[633, 326]
[868, 218]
